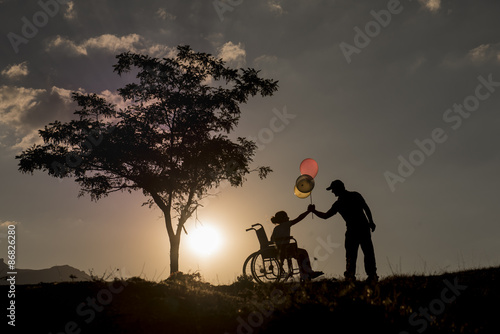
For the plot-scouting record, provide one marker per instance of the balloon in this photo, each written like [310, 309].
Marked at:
[305, 183]
[299, 194]
[309, 166]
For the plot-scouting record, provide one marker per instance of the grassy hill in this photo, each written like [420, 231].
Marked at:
[461, 302]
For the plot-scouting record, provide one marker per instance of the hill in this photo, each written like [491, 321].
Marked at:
[54, 274]
[461, 302]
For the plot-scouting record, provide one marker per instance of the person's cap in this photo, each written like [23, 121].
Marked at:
[335, 184]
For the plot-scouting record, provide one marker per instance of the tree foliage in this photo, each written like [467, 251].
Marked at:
[171, 141]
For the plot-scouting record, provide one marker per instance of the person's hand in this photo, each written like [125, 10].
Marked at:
[311, 207]
[373, 226]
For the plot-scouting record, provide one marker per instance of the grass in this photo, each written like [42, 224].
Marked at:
[459, 302]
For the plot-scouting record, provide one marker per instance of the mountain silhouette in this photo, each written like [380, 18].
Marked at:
[54, 274]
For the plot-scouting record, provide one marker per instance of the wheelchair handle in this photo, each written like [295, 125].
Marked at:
[253, 227]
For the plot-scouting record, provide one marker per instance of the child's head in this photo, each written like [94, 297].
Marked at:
[280, 217]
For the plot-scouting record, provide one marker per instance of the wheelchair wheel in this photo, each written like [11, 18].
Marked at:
[265, 269]
[247, 269]
[288, 270]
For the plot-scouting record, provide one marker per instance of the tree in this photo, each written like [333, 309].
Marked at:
[170, 141]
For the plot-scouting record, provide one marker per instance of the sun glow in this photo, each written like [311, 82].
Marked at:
[204, 240]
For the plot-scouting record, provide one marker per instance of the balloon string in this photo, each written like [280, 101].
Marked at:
[312, 214]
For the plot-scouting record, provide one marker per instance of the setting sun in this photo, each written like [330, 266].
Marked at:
[204, 240]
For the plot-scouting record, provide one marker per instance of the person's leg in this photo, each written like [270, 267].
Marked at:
[351, 255]
[304, 262]
[306, 271]
[369, 256]
[287, 252]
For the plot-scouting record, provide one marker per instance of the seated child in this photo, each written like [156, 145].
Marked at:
[281, 237]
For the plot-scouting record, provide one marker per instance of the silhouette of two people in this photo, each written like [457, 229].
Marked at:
[359, 222]
[286, 249]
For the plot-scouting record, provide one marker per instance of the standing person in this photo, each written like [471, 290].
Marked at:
[281, 237]
[358, 217]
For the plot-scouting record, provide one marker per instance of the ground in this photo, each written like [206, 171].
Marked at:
[459, 302]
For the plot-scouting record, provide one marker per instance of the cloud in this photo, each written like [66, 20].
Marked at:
[234, 55]
[275, 7]
[7, 223]
[164, 15]
[4, 227]
[24, 110]
[480, 55]
[15, 102]
[431, 5]
[484, 53]
[70, 13]
[265, 60]
[112, 43]
[115, 98]
[216, 39]
[16, 71]
[63, 43]
[28, 140]
[64, 94]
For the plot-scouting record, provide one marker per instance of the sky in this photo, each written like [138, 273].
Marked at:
[398, 99]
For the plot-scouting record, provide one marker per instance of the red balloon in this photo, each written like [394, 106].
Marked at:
[309, 166]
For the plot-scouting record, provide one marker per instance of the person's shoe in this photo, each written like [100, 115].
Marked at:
[349, 278]
[372, 279]
[311, 275]
[315, 274]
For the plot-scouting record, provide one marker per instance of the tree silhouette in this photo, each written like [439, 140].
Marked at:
[170, 141]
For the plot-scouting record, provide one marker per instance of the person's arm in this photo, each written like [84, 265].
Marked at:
[324, 215]
[299, 218]
[368, 214]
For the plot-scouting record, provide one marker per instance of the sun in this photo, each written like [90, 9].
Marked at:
[204, 240]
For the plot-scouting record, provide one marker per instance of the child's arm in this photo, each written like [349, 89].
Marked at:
[299, 218]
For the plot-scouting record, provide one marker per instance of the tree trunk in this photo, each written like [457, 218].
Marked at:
[175, 242]
[175, 239]
[173, 236]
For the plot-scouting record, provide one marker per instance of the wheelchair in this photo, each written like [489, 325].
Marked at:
[269, 263]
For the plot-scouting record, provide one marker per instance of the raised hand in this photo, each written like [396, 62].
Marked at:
[311, 207]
